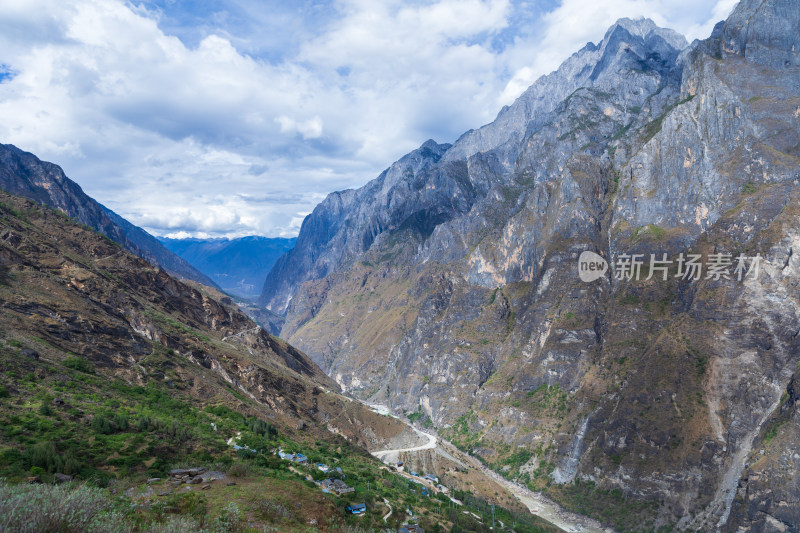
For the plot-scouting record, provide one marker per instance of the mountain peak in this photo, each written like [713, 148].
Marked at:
[629, 46]
[645, 28]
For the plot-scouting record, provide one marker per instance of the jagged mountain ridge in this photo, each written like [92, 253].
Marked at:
[23, 174]
[475, 317]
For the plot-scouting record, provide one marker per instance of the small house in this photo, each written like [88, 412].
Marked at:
[341, 487]
[357, 508]
[293, 457]
[432, 478]
[336, 485]
[411, 528]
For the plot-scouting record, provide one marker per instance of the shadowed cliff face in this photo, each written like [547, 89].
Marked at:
[448, 287]
[23, 174]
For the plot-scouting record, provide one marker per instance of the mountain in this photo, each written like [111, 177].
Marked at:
[23, 174]
[238, 266]
[449, 287]
[117, 373]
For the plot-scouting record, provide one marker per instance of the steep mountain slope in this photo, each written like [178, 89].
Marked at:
[448, 287]
[115, 372]
[23, 174]
[67, 292]
[238, 266]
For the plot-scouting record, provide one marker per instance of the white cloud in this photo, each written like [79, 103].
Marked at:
[207, 139]
[308, 129]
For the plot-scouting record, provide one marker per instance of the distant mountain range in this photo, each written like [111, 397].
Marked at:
[24, 174]
[238, 266]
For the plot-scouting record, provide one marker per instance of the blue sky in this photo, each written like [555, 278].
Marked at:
[236, 117]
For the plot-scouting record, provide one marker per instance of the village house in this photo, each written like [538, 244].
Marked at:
[293, 457]
[336, 485]
[357, 508]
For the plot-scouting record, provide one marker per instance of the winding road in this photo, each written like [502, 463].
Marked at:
[390, 456]
[536, 503]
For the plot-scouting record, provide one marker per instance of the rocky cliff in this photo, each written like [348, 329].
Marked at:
[23, 174]
[448, 287]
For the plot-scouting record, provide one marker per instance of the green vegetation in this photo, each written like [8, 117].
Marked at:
[650, 231]
[169, 322]
[111, 434]
[461, 434]
[629, 298]
[749, 188]
[621, 132]
[8, 209]
[609, 505]
[80, 364]
[420, 416]
[650, 129]
[772, 430]
[548, 400]
[494, 295]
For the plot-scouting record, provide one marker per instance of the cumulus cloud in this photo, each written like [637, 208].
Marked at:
[237, 117]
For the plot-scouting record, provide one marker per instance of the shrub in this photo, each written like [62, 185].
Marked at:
[259, 427]
[176, 524]
[103, 425]
[37, 508]
[43, 455]
[81, 364]
[46, 456]
[228, 519]
[238, 470]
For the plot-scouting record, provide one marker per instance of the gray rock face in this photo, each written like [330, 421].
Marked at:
[765, 32]
[448, 288]
[23, 174]
[346, 223]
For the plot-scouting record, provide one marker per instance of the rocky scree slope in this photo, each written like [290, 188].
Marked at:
[448, 287]
[23, 174]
